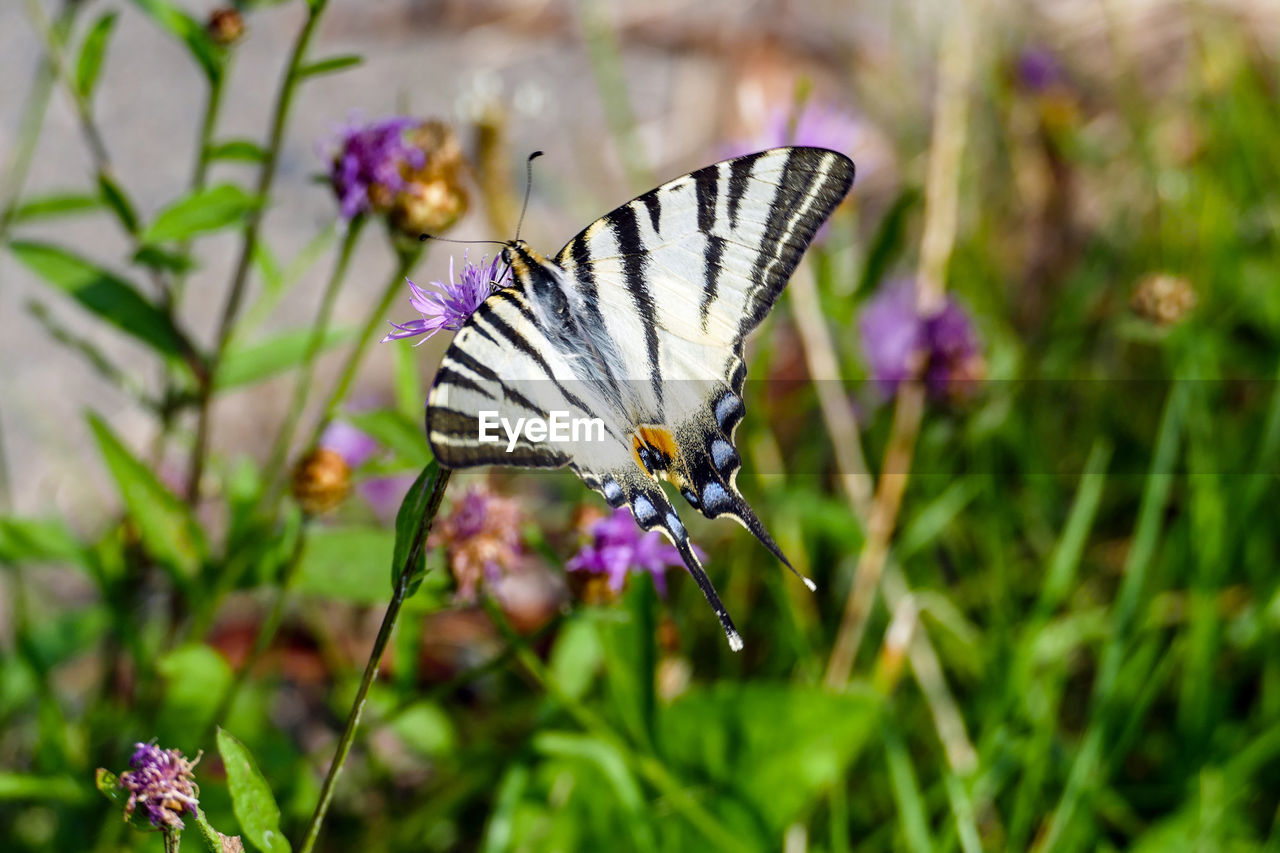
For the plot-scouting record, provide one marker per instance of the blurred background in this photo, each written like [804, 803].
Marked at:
[1064, 223]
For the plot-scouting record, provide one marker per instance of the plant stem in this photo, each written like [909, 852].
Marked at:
[367, 333]
[941, 200]
[404, 581]
[649, 766]
[284, 438]
[266, 632]
[30, 125]
[606, 65]
[284, 99]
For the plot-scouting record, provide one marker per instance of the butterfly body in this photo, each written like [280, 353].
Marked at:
[639, 321]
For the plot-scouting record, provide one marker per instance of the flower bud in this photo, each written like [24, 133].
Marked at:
[321, 480]
[225, 27]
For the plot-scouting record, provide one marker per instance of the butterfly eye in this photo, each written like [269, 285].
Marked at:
[506, 256]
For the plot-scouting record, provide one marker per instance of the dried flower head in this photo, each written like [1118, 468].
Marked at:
[162, 782]
[481, 538]
[434, 196]
[899, 342]
[1163, 299]
[454, 302]
[225, 26]
[616, 547]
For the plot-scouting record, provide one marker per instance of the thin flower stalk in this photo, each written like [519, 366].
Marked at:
[249, 242]
[404, 581]
[274, 469]
[347, 374]
[951, 116]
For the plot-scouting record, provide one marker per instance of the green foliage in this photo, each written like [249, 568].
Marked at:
[204, 210]
[255, 807]
[1084, 556]
[92, 52]
[101, 292]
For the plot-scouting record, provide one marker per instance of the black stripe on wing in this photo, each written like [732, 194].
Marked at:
[455, 441]
[626, 230]
[810, 185]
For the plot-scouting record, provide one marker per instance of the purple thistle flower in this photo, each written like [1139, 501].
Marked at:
[895, 335]
[369, 163]
[617, 546]
[481, 537]
[455, 302]
[160, 781]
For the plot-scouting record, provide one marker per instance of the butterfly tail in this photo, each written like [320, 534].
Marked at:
[652, 511]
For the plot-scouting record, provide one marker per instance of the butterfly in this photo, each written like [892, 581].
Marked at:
[636, 328]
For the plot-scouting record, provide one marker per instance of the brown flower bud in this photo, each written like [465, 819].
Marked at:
[321, 480]
[434, 196]
[1163, 299]
[225, 27]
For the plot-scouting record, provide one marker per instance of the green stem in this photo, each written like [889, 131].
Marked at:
[404, 580]
[367, 334]
[272, 473]
[30, 125]
[606, 65]
[226, 324]
[266, 632]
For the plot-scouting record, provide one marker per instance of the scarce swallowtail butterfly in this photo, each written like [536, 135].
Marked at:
[639, 322]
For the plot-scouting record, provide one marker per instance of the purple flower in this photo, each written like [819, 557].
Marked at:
[454, 303]
[617, 546]
[1038, 70]
[481, 538]
[353, 445]
[369, 163]
[820, 124]
[895, 337]
[160, 781]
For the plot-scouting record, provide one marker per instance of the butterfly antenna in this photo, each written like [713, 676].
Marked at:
[424, 237]
[528, 185]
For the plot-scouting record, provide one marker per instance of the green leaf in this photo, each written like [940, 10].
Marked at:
[195, 679]
[253, 363]
[166, 527]
[114, 196]
[236, 149]
[251, 798]
[576, 656]
[347, 563]
[56, 204]
[91, 52]
[778, 746]
[187, 30]
[201, 211]
[101, 292]
[32, 540]
[403, 435]
[408, 522]
[426, 728]
[158, 259]
[213, 840]
[26, 786]
[328, 66]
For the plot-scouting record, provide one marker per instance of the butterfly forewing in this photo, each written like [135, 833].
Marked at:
[640, 321]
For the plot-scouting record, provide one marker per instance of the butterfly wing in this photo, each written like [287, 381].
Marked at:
[500, 364]
[687, 270]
